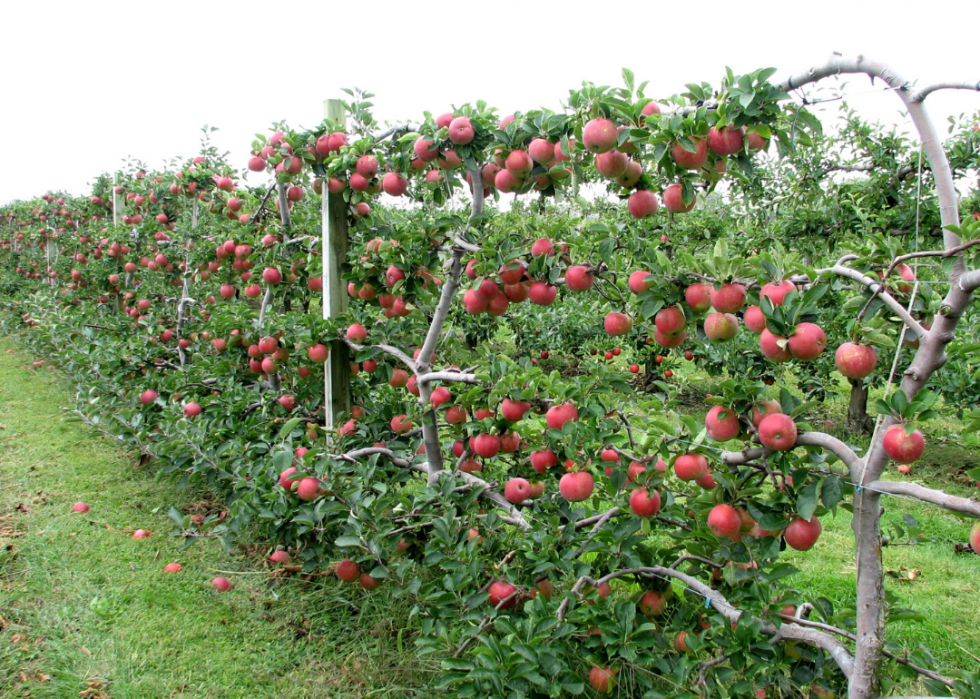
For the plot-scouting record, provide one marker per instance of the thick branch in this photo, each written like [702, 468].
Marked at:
[600, 523]
[264, 308]
[430, 430]
[825, 641]
[968, 506]
[737, 458]
[833, 445]
[929, 89]
[514, 515]
[969, 281]
[851, 637]
[387, 349]
[447, 376]
[889, 300]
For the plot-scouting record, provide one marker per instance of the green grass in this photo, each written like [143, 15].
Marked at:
[86, 608]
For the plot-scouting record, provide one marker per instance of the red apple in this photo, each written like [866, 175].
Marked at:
[722, 424]
[401, 424]
[357, 333]
[720, 327]
[769, 407]
[542, 293]
[755, 319]
[856, 361]
[975, 537]
[617, 323]
[221, 584]
[690, 467]
[543, 459]
[308, 489]
[645, 503]
[517, 490]
[600, 135]
[611, 164]
[652, 603]
[642, 203]
[461, 131]
[485, 445]
[727, 140]
[674, 200]
[698, 296]
[577, 278]
[808, 342]
[348, 571]
[602, 679]
[774, 347]
[903, 446]
[558, 415]
[728, 298]
[776, 292]
[500, 591]
[513, 411]
[575, 487]
[688, 160]
[724, 521]
[637, 282]
[802, 534]
[778, 432]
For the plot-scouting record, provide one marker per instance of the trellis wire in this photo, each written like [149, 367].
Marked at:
[901, 337]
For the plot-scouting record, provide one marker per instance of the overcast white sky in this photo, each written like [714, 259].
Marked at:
[87, 84]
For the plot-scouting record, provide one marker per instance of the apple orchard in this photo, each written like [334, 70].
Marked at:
[481, 410]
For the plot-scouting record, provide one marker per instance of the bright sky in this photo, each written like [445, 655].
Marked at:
[87, 84]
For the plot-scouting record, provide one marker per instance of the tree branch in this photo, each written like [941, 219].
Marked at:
[449, 287]
[825, 641]
[514, 517]
[969, 506]
[929, 89]
[841, 632]
[447, 376]
[833, 445]
[969, 281]
[889, 300]
[263, 309]
[738, 458]
[387, 349]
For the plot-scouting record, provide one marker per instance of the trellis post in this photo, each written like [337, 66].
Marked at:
[334, 252]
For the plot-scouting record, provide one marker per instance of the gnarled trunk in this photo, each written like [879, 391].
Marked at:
[858, 420]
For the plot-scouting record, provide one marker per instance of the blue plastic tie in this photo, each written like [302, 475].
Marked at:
[707, 602]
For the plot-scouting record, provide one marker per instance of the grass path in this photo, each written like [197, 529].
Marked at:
[88, 611]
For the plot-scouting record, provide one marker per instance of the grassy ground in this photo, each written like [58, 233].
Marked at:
[86, 610]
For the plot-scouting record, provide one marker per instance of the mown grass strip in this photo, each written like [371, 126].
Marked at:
[85, 608]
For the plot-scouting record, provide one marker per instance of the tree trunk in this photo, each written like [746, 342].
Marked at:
[865, 683]
[857, 408]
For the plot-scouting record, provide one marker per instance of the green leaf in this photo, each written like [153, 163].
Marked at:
[832, 493]
[348, 541]
[783, 570]
[288, 427]
[177, 516]
[806, 501]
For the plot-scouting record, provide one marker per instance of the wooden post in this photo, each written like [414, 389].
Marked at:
[118, 201]
[333, 250]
